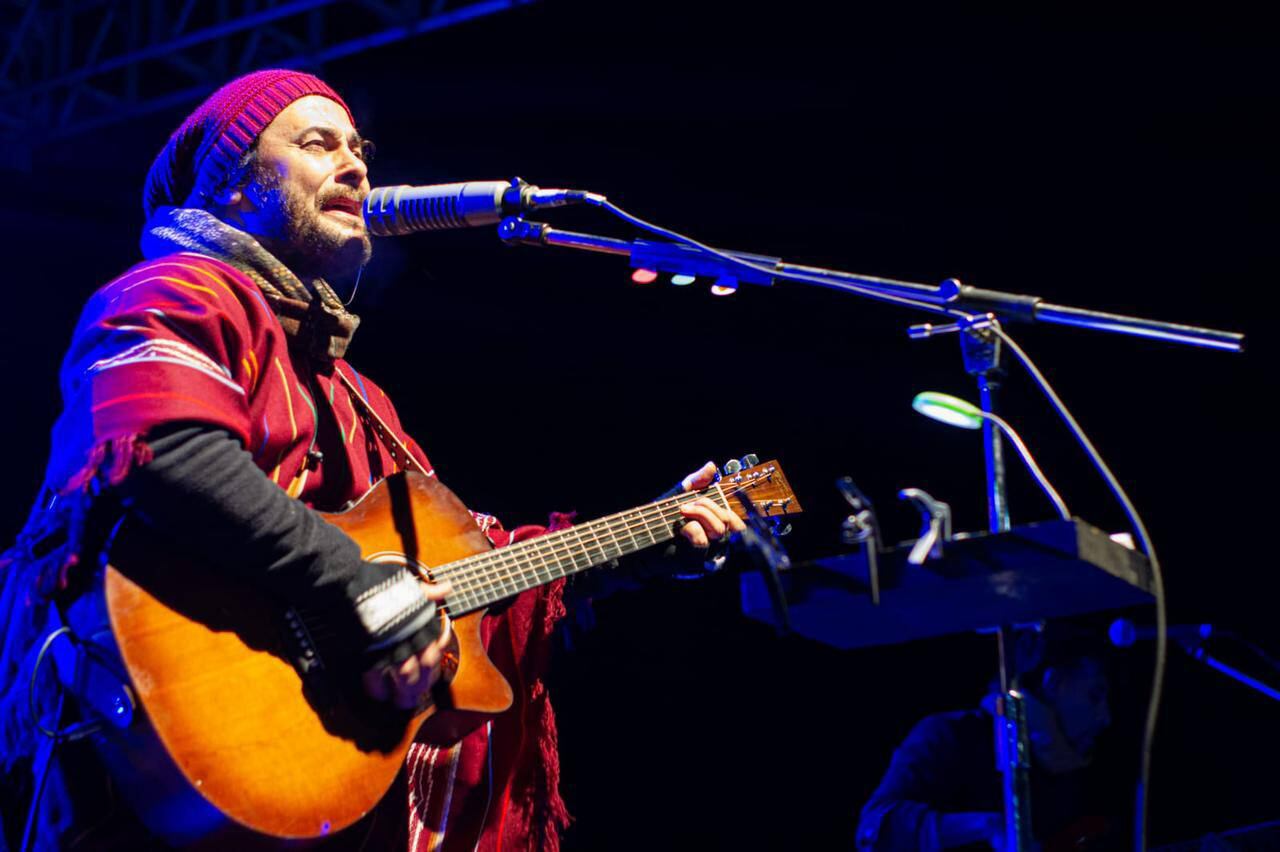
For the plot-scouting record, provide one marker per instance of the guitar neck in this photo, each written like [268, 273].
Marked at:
[484, 579]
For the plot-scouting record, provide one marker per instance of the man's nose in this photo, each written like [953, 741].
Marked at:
[352, 170]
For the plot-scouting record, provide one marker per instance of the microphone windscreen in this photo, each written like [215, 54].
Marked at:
[1122, 633]
[398, 210]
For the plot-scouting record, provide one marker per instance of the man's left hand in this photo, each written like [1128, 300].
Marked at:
[707, 521]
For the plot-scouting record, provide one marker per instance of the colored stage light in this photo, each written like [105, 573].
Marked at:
[682, 280]
[954, 411]
[724, 287]
[948, 409]
[644, 276]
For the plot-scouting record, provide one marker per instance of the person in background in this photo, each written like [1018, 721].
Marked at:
[943, 791]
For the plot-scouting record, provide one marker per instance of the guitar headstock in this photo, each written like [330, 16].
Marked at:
[766, 485]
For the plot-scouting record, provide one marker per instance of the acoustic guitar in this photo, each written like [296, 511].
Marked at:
[248, 716]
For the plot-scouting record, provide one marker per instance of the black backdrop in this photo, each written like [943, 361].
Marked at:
[1122, 162]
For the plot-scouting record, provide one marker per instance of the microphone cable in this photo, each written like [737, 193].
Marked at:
[1157, 581]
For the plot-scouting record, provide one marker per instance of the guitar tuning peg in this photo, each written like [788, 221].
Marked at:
[731, 467]
[750, 460]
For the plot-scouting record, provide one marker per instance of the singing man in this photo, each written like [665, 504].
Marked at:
[207, 396]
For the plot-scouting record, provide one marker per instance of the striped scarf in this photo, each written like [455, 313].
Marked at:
[311, 314]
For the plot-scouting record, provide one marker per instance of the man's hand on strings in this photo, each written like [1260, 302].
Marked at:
[706, 520]
[408, 685]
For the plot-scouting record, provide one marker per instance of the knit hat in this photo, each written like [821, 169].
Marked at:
[209, 144]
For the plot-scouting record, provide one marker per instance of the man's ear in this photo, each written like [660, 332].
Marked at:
[1051, 681]
[1028, 649]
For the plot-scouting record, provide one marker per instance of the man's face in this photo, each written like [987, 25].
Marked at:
[1080, 698]
[303, 202]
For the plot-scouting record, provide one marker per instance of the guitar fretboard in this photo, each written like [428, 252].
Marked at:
[486, 578]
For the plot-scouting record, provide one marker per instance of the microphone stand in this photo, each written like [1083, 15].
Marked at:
[976, 314]
[950, 298]
[1195, 650]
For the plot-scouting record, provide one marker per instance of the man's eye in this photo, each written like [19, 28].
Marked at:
[314, 143]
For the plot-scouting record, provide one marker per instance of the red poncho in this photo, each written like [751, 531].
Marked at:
[187, 337]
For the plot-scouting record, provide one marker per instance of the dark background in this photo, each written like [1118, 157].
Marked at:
[1118, 161]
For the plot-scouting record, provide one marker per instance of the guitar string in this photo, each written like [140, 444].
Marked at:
[478, 570]
[608, 539]
[626, 523]
[474, 575]
[495, 578]
[477, 566]
[474, 570]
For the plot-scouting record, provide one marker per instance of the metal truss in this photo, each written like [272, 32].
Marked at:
[70, 66]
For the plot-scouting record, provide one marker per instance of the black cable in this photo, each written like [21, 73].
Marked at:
[1157, 581]
[42, 775]
[31, 687]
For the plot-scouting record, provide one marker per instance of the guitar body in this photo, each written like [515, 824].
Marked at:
[267, 746]
[242, 730]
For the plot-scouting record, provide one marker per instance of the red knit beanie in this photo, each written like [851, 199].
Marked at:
[209, 144]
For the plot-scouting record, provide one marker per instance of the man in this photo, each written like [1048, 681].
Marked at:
[206, 395]
[942, 790]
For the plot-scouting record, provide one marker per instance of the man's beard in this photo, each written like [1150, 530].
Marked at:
[300, 236]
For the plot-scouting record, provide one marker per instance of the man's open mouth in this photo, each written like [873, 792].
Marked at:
[342, 205]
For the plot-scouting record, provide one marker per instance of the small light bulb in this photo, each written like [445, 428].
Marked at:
[724, 286]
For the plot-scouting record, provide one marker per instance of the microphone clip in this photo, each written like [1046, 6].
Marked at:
[522, 196]
[769, 555]
[862, 527]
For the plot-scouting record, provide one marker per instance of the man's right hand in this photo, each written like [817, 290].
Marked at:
[408, 684]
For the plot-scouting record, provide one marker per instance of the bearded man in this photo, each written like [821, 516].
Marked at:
[207, 395]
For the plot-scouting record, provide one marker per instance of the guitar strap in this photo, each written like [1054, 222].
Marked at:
[399, 452]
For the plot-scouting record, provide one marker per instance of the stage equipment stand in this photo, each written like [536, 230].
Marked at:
[976, 315]
[982, 349]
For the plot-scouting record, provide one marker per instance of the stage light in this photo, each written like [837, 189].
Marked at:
[948, 409]
[724, 287]
[958, 412]
[644, 276]
[682, 280]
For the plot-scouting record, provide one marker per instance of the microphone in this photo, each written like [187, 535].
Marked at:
[1124, 632]
[399, 210]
